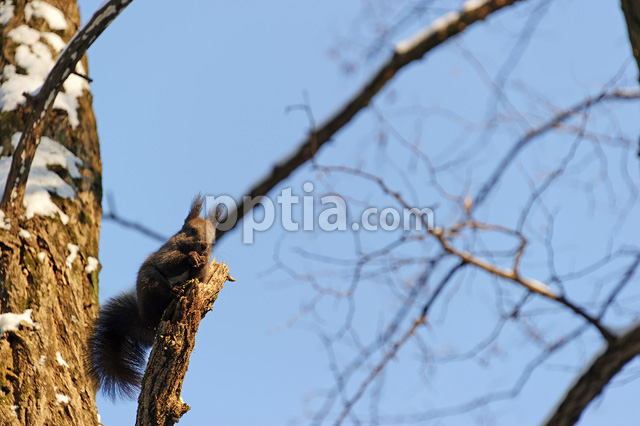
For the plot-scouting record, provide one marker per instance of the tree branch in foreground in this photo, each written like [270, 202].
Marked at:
[41, 102]
[591, 383]
[406, 52]
[160, 402]
[513, 275]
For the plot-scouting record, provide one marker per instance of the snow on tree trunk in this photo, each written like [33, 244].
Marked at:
[48, 256]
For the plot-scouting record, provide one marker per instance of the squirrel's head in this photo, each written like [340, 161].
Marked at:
[198, 228]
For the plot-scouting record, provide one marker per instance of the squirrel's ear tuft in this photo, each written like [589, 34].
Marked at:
[215, 214]
[196, 207]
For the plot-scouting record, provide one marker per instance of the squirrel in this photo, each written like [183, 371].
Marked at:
[126, 324]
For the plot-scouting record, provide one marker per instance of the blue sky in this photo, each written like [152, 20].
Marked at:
[191, 97]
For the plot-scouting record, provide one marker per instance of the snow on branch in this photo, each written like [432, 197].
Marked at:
[41, 101]
[406, 52]
[440, 25]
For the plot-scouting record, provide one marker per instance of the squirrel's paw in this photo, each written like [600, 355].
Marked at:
[177, 290]
[196, 259]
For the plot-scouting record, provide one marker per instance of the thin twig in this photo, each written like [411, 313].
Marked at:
[422, 43]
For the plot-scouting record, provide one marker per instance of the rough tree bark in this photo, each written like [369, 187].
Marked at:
[160, 402]
[42, 379]
[594, 379]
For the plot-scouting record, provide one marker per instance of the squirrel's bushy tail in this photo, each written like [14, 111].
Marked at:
[117, 348]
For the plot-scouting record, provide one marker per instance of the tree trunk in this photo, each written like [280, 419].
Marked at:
[48, 258]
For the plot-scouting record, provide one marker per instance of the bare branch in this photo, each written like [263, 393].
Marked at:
[494, 396]
[40, 103]
[366, 354]
[348, 405]
[626, 278]
[606, 95]
[112, 215]
[441, 234]
[592, 382]
[406, 52]
[510, 274]
[135, 226]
